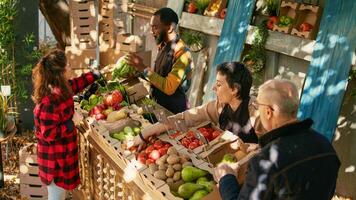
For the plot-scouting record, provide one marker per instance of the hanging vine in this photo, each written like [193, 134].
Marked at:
[255, 59]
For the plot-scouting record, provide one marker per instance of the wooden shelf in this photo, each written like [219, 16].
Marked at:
[278, 42]
[208, 25]
[286, 44]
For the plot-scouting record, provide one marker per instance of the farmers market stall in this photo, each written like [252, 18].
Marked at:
[175, 165]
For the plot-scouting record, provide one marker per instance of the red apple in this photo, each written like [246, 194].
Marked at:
[100, 116]
[98, 109]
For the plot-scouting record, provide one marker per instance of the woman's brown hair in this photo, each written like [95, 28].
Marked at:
[48, 74]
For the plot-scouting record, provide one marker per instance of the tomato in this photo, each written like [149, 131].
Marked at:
[305, 27]
[149, 149]
[158, 144]
[222, 14]
[185, 142]
[193, 145]
[271, 22]
[163, 151]
[149, 161]
[215, 134]
[154, 155]
[192, 8]
[141, 157]
[207, 135]
[190, 135]
[167, 145]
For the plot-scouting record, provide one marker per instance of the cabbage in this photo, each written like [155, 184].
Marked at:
[122, 69]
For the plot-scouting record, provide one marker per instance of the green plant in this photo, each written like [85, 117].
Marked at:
[194, 39]
[255, 58]
[202, 5]
[272, 7]
[6, 115]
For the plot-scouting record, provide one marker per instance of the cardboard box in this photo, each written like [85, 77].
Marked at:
[33, 192]
[307, 14]
[288, 9]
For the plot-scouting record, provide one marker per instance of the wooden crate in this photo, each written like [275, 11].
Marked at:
[83, 29]
[31, 186]
[311, 15]
[33, 192]
[288, 9]
[130, 43]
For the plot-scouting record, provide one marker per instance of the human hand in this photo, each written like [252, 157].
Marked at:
[224, 169]
[135, 61]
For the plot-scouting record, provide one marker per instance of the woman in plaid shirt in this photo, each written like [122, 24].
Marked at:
[57, 152]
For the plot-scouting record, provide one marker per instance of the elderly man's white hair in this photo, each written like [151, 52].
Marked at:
[282, 95]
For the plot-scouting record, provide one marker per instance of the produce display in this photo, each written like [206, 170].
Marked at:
[153, 152]
[177, 170]
[190, 141]
[122, 69]
[285, 21]
[127, 133]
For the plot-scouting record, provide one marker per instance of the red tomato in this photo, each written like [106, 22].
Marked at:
[158, 144]
[192, 8]
[149, 149]
[141, 157]
[154, 155]
[193, 145]
[215, 134]
[162, 151]
[185, 142]
[149, 161]
[167, 145]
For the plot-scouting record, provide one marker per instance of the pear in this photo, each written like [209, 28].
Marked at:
[188, 189]
[190, 174]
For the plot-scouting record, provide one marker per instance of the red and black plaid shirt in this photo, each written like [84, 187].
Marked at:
[57, 149]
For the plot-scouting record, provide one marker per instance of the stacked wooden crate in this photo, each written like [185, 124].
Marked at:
[31, 186]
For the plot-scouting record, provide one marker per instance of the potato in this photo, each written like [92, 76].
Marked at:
[177, 167]
[172, 151]
[172, 159]
[184, 158]
[169, 181]
[187, 164]
[176, 176]
[162, 167]
[169, 172]
[160, 174]
[153, 168]
[162, 160]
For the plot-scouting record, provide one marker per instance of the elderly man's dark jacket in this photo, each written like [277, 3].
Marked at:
[296, 162]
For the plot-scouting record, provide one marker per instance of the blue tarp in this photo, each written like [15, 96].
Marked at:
[232, 38]
[328, 72]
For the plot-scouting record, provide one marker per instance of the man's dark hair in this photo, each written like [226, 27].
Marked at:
[237, 76]
[167, 16]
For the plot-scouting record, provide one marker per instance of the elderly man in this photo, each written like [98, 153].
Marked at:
[295, 161]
